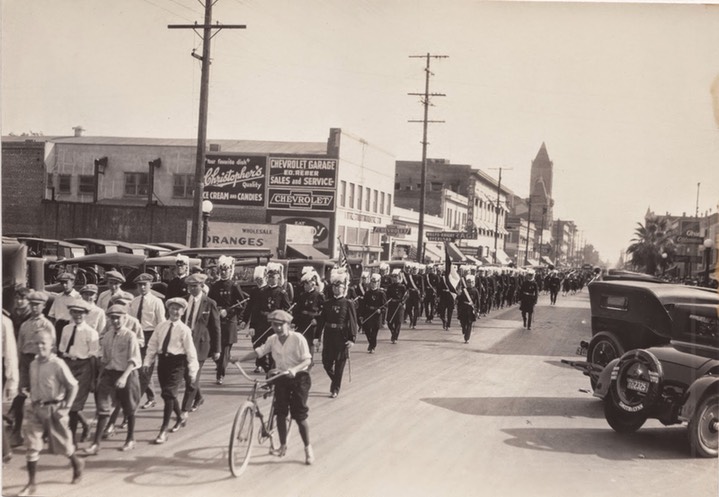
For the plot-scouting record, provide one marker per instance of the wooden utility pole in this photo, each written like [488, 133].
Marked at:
[496, 207]
[529, 220]
[206, 36]
[423, 179]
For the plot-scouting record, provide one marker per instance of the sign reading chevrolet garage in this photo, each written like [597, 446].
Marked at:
[302, 184]
[236, 180]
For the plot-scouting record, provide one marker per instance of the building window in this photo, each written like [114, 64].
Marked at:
[367, 199]
[381, 204]
[64, 183]
[359, 197]
[136, 184]
[183, 185]
[389, 204]
[86, 185]
[343, 192]
[352, 196]
[396, 186]
[364, 236]
[374, 201]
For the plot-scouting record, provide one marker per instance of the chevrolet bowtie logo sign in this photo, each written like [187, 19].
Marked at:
[305, 200]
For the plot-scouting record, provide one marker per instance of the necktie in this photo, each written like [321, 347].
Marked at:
[192, 313]
[166, 341]
[72, 340]
[139, 309]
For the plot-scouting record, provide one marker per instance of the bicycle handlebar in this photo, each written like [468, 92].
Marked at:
[256, 380]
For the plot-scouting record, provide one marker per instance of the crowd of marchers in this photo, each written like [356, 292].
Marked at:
[127, 350]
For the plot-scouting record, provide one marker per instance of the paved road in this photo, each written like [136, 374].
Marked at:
[428, 416]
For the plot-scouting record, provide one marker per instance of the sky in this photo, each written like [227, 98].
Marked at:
[621, 94]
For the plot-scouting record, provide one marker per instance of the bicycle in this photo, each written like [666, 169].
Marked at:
[243, 426]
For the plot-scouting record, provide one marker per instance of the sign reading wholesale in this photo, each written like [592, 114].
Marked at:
[302, 184]
[237, 180]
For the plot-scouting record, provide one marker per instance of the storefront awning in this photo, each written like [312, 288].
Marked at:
[486, 260]
[362, 248]
[473, 260]
[546, 260]
[533, 262]
[502, 257]
[454, 253]
[303, 251]
[432, 252]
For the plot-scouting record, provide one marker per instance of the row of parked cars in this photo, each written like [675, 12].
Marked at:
[654, 353]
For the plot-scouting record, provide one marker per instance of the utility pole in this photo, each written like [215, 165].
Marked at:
[496, 207]
[206, 36]
[529, 220]
[423, 180]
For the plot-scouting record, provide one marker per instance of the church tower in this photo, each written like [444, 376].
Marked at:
[540, 189]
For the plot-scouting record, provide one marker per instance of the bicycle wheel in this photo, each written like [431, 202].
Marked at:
[241, 438]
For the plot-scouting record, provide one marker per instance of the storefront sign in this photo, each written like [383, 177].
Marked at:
[448, 236]
[304, 184]
[689, 233]
[392, 230]
[236, 180]
[321, 225]
[221, 234]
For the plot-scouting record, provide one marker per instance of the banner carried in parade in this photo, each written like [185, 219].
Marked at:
[236, 180]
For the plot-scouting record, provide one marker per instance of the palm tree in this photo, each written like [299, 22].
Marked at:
[650, 242]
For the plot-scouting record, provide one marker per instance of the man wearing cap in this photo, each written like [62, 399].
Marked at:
[119, 381]
[431, 281]
[59, 313]
[114, 280]
[231, 302]
[27, 349]
[271, 298]
[176, 287]
[468, 306]
[150, 312]
[308, 307]
[292, 355]
[529, 293]
[21, 309]
[375, 302]
[174, 348]
[95, 316]
[52, 390]
[203, 318]
[79, 346]
[339, 324]
[396, 296]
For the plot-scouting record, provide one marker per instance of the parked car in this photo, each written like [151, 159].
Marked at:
[96, 246]
[209, 255]
[673, 374]
[52, 249]
[631, 314]
[623, 275]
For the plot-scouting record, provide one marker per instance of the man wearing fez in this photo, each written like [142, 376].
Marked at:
[203, 318]
[375, 301]
[59, 313]
[309, 306]
[231, 301]
[396, 297]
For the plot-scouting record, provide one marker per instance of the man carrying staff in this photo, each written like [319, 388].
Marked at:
[310, 303]
[375, 301]
[396, 295]
[230, 301]
[339, 324]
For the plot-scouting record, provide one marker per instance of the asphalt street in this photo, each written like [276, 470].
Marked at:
[429, 416]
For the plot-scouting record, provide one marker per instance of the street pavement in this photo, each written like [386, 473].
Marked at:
[429, 416]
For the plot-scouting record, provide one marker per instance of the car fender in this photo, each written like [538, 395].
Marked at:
[606, 377]
[696, 393]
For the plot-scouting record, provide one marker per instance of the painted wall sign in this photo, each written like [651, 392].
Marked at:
[302, 184]
[321, 226]
[236, 180]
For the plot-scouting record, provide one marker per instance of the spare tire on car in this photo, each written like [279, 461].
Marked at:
[637, 381]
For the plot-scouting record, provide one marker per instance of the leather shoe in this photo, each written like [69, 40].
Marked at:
[333, 395]
[147, 405]
[161, 438]
[181, 423]
[77, 473]
[220, 380]
[129, 445]
[92, 450]
[108, 432]
[196, 405]
[29, 489]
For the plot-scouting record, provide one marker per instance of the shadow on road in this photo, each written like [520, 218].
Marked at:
[521, 406]
[647, 443]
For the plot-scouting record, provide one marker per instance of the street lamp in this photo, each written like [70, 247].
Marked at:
[206, 209]
[664, 262]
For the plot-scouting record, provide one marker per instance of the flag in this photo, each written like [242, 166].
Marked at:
[343, 255]
[450, 271]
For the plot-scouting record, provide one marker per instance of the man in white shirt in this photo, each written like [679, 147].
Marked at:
[292, 356]
[114, 280]
[59, 313]
[95, 316]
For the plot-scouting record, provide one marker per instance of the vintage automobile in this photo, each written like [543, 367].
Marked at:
[628, 314]
[50, 249]
[670, 370]
[96, 246]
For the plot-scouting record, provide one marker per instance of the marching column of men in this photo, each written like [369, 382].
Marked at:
[109, 349]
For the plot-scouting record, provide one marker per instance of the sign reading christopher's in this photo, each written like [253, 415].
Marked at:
[237, 180]
[302, 183]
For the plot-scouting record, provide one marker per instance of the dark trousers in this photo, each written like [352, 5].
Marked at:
[445, 310]
[394, 320]
[223, 361]
[371, 329]
[413, 307]
[334, 364]
[429, 308]
[553, 295]
[170, 372]
[192, 392]
[146, 383]
[466, 328]
[527, 318]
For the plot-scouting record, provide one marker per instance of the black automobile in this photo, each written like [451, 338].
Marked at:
[674, 376]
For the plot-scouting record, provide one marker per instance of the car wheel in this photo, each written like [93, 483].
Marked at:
[620, 420]
[603, 348]
[637, 381]
[704, 428]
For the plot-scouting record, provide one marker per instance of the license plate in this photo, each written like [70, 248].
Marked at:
[581, 351]
[638, 386]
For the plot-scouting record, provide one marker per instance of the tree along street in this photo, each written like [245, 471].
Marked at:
[425, 417]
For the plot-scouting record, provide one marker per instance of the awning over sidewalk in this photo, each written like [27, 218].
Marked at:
[363, 248]
[304, 251]
[473, 260]
[546, 260]
[503, 258]
[533, 262]
[433, 253]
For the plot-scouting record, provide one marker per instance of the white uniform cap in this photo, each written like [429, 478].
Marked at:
[384, 265]
[260, 272]
[376, 277]
[339, 275]
[226, 261]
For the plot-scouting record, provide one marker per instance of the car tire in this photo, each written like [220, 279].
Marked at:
[620, 420]
[704, 426]
[637, 366]
[603, 348]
